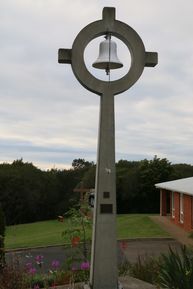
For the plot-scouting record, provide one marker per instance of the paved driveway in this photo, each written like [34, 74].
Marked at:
[175, 231]
[127, 250]
[149, 247]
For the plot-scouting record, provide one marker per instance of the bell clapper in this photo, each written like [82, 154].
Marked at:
[108, 38]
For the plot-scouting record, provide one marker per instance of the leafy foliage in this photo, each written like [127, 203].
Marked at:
[12, 277]
[78, 164]
[182, 171]
[33, 276]
[146, 269]
[2, 237]
[78, 229]
[172, 270]
[176, 269]
[28, 194]
[136, 192]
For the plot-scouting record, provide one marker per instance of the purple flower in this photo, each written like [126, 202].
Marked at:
[85, 265]
[39, 258]
[28, 265]
[74, 268]
[36, 286]
[32, 270]
[55, 264]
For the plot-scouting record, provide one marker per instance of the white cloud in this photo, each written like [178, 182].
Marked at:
[48, 118]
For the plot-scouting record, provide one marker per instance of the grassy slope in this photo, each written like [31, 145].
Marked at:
[50, 232]
[138, 226]
[34, 234]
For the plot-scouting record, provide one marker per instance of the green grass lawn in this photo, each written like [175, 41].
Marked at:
[50, 232]
[138, 226]
[34, 234]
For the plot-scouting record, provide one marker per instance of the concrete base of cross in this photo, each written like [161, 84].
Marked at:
[126, 283]
[129, 283]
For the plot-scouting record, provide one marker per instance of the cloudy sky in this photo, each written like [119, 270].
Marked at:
[48, 118]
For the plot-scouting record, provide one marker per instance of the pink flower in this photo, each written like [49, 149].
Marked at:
[28, 265]
[32, 270]
[85, 265]
[36, 286]
[74, 268]
[39, 259]
[55, 264]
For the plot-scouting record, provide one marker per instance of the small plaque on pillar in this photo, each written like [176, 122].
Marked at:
[106, 195]
[106, 208]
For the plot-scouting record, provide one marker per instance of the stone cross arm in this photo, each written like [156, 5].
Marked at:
[65, 55]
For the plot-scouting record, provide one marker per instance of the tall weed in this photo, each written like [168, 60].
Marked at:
[146, 269]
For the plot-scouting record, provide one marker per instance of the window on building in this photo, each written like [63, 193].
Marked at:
[181, 208]
[173, 208]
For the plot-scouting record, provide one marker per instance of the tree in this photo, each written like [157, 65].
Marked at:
[78, 164]
[136, 192]
[2, 237]
[182, 171]
[127, 186]
[89, 177]
[152, 172]
[28, 194]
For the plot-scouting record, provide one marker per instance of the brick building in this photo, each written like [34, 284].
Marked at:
[176, 201]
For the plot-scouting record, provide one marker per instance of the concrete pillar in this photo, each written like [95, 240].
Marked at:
[104, 273]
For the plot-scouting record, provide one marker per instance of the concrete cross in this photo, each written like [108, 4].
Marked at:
[104, 273]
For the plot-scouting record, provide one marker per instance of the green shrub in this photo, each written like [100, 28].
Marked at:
[191, 235]
[176, 269]
[78, 227]
[123, 268]
[12, 278]
[146, 269]
[2, 236]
